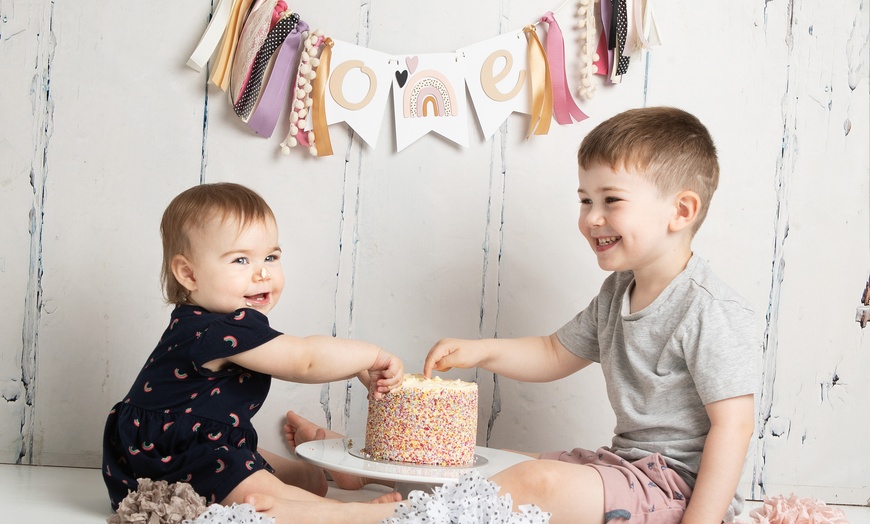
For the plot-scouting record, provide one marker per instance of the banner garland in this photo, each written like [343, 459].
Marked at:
[257, 61]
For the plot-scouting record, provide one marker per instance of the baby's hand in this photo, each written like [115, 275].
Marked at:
[385, 374]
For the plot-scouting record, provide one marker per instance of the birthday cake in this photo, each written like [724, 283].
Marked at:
[425, 421]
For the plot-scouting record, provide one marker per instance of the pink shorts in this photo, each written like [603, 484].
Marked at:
[644, 491]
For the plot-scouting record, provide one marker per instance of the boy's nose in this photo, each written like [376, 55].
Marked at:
[264, 274]
[593, 219]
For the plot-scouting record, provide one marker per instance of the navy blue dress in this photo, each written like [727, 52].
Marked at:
[181, 422]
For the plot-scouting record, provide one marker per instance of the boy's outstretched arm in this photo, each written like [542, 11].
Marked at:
[530, 359]
[317, 359]
[731, 429]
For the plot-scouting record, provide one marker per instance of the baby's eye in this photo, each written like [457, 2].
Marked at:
[241, 260]
[272, 258]
[586, 201]
[611, 200]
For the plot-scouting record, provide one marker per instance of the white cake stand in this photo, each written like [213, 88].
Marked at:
[344, 455]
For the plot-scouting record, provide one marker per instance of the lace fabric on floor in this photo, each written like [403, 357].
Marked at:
[471, 500]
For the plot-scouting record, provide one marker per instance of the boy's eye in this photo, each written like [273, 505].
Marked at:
[611, 200]
[272, 258]
[586, 201]
[241, 260]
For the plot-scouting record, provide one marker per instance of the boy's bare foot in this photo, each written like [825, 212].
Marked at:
[299, 430]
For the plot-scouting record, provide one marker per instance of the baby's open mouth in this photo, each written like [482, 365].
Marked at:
[606, 241]
[257, 300]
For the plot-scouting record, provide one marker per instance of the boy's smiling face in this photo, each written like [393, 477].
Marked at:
[625, 219]
[231, 268]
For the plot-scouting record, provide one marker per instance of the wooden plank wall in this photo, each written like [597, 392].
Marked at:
[101, 124]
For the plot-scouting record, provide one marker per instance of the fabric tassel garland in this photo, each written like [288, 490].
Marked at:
[265, 116]
[588, 54]
[605, 53]
[318, 95]
[251, 39]
[619, 32]
[211, 37]
[542, 89]
[564, 108]
[248, 97]
[220, 69]
[300, 106]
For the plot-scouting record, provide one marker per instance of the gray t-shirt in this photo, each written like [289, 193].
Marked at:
[695, 344]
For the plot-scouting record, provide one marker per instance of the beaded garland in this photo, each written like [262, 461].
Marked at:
[588, 56]
[301, 105]
[425, 421]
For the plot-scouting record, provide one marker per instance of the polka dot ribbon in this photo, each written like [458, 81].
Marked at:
[245, 104]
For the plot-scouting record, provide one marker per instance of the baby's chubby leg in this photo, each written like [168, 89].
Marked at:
[572, 493]
[297, 473]
[299, 430]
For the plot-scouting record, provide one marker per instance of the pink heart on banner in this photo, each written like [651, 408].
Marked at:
[411, 62]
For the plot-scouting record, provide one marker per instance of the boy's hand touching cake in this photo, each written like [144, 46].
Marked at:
[449, 353]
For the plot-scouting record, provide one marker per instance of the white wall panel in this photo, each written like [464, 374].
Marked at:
[101, 124]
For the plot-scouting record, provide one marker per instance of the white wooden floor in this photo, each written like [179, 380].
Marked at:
[78, 496]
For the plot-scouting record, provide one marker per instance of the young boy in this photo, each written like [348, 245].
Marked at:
[677, 346]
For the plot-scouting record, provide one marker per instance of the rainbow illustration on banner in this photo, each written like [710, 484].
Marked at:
[429, 93]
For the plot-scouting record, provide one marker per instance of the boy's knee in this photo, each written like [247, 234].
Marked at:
[532, 477]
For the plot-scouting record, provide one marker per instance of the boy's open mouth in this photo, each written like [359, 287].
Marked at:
[606, 241]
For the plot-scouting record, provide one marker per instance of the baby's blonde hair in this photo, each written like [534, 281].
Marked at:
[667, 145]
[191, 210]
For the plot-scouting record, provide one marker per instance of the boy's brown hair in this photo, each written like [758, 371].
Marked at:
[192, 209]
[667, 145]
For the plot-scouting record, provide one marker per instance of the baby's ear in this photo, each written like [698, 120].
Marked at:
[687, 204]
[182, 270]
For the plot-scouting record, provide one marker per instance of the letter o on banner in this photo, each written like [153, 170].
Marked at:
[336, 83]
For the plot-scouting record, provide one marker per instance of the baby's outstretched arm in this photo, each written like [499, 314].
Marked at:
[318, 359]
[530, 359]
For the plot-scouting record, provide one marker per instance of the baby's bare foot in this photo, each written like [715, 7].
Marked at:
[299, 430]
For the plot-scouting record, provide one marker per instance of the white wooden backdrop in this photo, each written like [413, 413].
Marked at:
[101, 124]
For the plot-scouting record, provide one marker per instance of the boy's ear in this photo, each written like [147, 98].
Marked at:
[183, 272]
[686, 207]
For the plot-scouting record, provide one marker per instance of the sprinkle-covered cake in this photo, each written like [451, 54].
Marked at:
[425, 421]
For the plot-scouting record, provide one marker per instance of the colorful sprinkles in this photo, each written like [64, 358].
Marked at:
[426, 421]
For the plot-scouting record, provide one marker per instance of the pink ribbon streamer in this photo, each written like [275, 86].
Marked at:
[564, 107]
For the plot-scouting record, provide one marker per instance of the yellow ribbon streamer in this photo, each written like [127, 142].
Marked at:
[542, 87]
[318, 96]
[220, 75]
